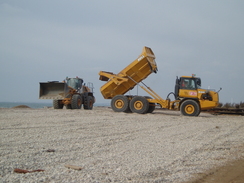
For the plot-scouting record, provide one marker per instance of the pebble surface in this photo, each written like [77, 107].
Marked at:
[114, 147]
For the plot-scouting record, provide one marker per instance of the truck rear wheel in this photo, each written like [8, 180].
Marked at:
[76, 102]
[151, 105]
[139, 105]
[89, 103]
[120, 103]
[57, 104]
[151, 108]
[190, 108]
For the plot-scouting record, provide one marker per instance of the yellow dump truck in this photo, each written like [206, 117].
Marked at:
[190, 98]
[71, 93]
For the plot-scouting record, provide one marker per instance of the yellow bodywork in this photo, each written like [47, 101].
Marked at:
[141, 68]
[204, 104]
[134, 73]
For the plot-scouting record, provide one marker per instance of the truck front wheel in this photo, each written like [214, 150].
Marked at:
[190, 108]
[139, 105]
[76, 102]
[120, 103]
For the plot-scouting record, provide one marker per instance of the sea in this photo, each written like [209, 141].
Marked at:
[36, 105]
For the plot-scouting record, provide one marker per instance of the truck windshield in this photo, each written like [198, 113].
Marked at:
[188, 83]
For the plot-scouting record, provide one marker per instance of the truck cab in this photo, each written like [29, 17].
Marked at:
[189, 88]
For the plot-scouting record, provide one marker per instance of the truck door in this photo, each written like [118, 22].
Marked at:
[188, 88]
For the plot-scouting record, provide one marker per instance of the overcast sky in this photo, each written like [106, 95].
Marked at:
[48, 40]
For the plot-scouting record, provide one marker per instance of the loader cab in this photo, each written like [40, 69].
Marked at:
[75, 83]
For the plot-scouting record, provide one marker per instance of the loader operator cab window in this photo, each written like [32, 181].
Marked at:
[74, 83]
[188, 84]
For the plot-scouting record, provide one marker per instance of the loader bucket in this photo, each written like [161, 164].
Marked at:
[53, 90]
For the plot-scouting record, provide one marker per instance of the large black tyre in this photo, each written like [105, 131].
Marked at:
[151, 105]
[120, 103]
[57, 104]
[139, 105]
[190, 108]
[76, 102]
[88, 105]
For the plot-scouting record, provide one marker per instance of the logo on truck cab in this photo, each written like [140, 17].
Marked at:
[193, 93]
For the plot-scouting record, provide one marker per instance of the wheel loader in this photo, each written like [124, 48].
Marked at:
[189, 97]
[71, 93]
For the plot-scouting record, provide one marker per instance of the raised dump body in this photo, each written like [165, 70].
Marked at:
[138, 70]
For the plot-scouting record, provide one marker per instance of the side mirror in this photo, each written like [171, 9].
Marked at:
[219, 90]
[199, 82]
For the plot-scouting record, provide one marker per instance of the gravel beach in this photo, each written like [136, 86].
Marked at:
[115, 147]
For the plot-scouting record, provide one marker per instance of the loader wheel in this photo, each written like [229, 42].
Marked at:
[57, 104]
[120, 103]
[76, 102]
[190, 108]
[139, 105]
[88, 105]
